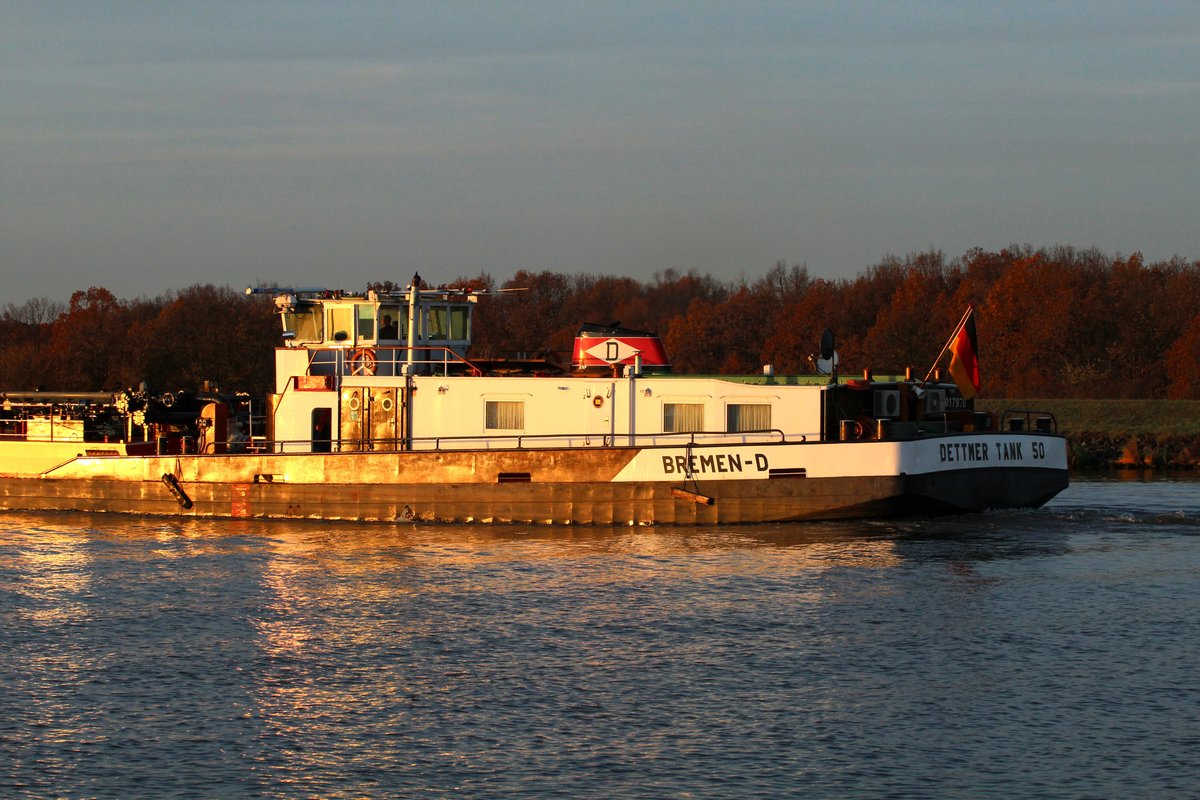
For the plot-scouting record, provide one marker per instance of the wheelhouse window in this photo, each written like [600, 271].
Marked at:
[304, 324]
[341, 323]
[459, 323]
[683, 417]
[366, 322]
[740, 417]
[504, 415]
[436, 323]
[447, 322]
[393, 322]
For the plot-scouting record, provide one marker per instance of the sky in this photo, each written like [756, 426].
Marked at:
[147, 146]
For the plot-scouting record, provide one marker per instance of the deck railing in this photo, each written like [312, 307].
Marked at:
[1028, 419]
[386, 360]
[511, 442]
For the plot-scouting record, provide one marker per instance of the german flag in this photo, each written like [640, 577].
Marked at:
[964, 356]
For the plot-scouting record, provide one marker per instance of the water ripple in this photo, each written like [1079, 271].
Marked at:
[1006, 654]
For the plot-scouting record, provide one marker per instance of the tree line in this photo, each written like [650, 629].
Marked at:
[1052, 322]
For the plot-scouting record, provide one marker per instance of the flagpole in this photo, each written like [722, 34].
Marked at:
[950, 341]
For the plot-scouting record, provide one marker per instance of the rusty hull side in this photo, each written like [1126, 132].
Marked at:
[564, 487]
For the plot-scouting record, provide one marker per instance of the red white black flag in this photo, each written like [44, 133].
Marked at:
[964, 356]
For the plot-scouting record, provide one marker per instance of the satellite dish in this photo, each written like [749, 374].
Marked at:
[827, 366]
[828, 361]
[827, 344]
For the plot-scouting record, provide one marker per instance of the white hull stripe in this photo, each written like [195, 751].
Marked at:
[846, 459]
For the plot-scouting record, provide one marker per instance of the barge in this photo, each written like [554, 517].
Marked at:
[380, 412]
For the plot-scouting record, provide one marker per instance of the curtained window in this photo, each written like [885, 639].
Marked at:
[741, 417]
[504, 415]
[683, 417]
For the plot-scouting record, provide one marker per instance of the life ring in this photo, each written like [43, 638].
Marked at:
[362, 361]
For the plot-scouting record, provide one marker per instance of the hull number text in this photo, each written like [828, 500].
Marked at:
[996, 452]
[715, 463]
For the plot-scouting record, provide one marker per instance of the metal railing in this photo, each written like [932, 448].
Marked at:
[386, 360]
[517, 441]
[522, 441]
[1028, 419]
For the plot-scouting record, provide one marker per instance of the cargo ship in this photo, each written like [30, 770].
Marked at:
[379, 412]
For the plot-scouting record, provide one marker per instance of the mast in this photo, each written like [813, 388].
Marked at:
[413, 290]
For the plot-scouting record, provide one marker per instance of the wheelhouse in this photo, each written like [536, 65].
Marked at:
[386, 333]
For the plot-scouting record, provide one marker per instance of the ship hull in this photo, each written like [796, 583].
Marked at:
[725, 484]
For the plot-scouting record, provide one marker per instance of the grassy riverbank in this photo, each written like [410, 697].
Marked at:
[1162, 434]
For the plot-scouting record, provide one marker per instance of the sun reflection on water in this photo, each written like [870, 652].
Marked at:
[401, 633]
[197, 658]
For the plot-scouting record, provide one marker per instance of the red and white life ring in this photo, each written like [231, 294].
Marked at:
[362, 361]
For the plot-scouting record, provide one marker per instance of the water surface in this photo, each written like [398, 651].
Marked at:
[1048, 653]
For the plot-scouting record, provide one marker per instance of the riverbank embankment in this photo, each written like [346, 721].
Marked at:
[1137, 434]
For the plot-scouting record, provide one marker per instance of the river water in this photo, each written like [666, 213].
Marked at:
[1048, 653]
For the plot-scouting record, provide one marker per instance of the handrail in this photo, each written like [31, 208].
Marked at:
[520, 441]
[523, 441]
[275, 406]
[675, 439]
[397, 358]
[1025, 416]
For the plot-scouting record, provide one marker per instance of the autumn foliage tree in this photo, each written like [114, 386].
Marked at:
[1052, 322]
[1181, 363]
[88, 344]
[177, 342]
[188, 349]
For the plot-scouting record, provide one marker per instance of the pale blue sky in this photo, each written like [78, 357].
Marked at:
[147, 146]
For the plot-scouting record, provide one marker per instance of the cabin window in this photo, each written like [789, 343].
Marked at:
[683, 417]
[393, 321]
[341, 324]
[436, 322]
[459, 319]
[366, 322]
[504, 415]
[304, 324]
[741, 417]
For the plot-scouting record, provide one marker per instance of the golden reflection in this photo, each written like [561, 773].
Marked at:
[48, 567]
[340, 592]
[317, 630]
[336, 607]
[51, 570]
[790, 546]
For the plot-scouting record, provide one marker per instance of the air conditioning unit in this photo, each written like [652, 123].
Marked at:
[887, 403]
[935, 401]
